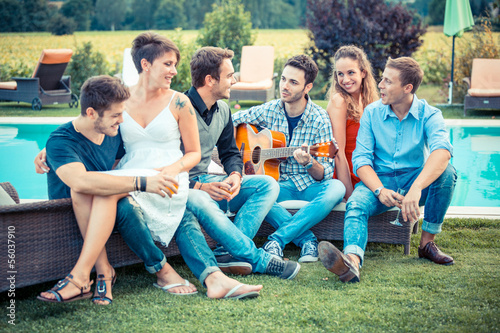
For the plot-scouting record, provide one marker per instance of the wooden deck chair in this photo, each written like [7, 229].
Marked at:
[483, 85]
[46, 86]
[256, 76]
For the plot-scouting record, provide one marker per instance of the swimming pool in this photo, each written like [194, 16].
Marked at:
[476, 158]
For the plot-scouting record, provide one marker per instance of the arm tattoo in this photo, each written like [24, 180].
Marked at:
[179, 104]
[191, 111]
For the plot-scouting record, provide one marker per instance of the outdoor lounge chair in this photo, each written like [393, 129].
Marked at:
[483, 85]
[256, 77]
[46, 86]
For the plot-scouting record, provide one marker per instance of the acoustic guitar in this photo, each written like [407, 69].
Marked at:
[263, 151]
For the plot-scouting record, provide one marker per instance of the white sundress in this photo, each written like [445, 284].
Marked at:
[155, 146]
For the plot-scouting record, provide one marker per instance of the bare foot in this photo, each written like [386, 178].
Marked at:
[218, 285]
[167, 275]
[70, 290]
[108, 280]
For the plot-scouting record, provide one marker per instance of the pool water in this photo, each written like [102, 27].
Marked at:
[19, 144]
[476, 158]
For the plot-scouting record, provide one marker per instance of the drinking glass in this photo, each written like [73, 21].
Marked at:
[169, 213]
[228, 210]
[396, 221]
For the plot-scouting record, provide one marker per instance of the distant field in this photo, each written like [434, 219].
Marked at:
[26, 47]
[23, 49]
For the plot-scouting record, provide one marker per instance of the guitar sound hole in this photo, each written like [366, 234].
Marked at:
[256, 155]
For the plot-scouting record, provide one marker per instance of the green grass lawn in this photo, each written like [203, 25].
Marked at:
[397, 293]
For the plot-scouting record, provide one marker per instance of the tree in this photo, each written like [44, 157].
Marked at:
[11, 13]
[382, 30]
[143, 11]
[110, 14]
[170, 15]
[436, 12]
[61, 25]
[80, 11]
[195, 12]
[36, 15]
[85, 63]
[228, 25]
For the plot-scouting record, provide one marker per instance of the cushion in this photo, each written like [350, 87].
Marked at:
[261, 85]
[257, 63]
[484, 92]
[9, 85]
[485, 74]
[5, 198]
[298, 204]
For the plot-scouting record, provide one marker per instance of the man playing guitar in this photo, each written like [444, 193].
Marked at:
[303, 176]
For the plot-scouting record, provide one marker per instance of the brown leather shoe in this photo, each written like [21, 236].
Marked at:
[228, 264]
[433, 253]
[338, 263]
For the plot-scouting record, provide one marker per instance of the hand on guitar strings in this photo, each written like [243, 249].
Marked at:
[301, 156]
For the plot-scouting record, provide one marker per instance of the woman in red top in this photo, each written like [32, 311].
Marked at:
[353, 87]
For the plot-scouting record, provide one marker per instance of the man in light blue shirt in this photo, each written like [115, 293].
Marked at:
[402, 158]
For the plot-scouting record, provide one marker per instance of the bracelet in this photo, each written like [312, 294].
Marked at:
[309, 164]
[136, 186]
[201, 185]
[236, 173]
[143, 184]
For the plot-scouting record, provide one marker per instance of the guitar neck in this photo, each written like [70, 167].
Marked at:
[280, 152]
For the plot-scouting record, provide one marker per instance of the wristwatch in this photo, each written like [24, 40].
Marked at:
[309, 165]
[377, 191]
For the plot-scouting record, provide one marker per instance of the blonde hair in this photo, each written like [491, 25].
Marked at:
[369, 91]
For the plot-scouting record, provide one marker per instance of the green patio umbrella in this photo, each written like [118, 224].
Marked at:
[457, 19]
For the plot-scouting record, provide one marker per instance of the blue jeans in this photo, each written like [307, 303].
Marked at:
[135, 232]
[363, 203]
[256, 197]
[192, 243]
[322, 197]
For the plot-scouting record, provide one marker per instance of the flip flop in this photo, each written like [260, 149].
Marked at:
[173, 285]
[102, 289]
[250, 294]
[60, 285]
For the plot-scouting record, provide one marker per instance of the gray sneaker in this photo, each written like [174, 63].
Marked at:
[309, 252]
[272, 247]
[285, 269]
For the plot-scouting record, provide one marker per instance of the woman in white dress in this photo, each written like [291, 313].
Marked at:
[155, 119]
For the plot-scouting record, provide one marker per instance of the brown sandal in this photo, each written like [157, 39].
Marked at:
[63, 283]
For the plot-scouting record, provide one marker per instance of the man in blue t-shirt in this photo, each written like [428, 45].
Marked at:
[90, 143]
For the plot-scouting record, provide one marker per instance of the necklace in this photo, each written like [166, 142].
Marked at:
[74, 125]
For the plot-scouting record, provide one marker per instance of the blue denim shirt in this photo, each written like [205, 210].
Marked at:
[387, 144]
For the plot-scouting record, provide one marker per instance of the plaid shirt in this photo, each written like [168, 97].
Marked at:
[314, 127]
